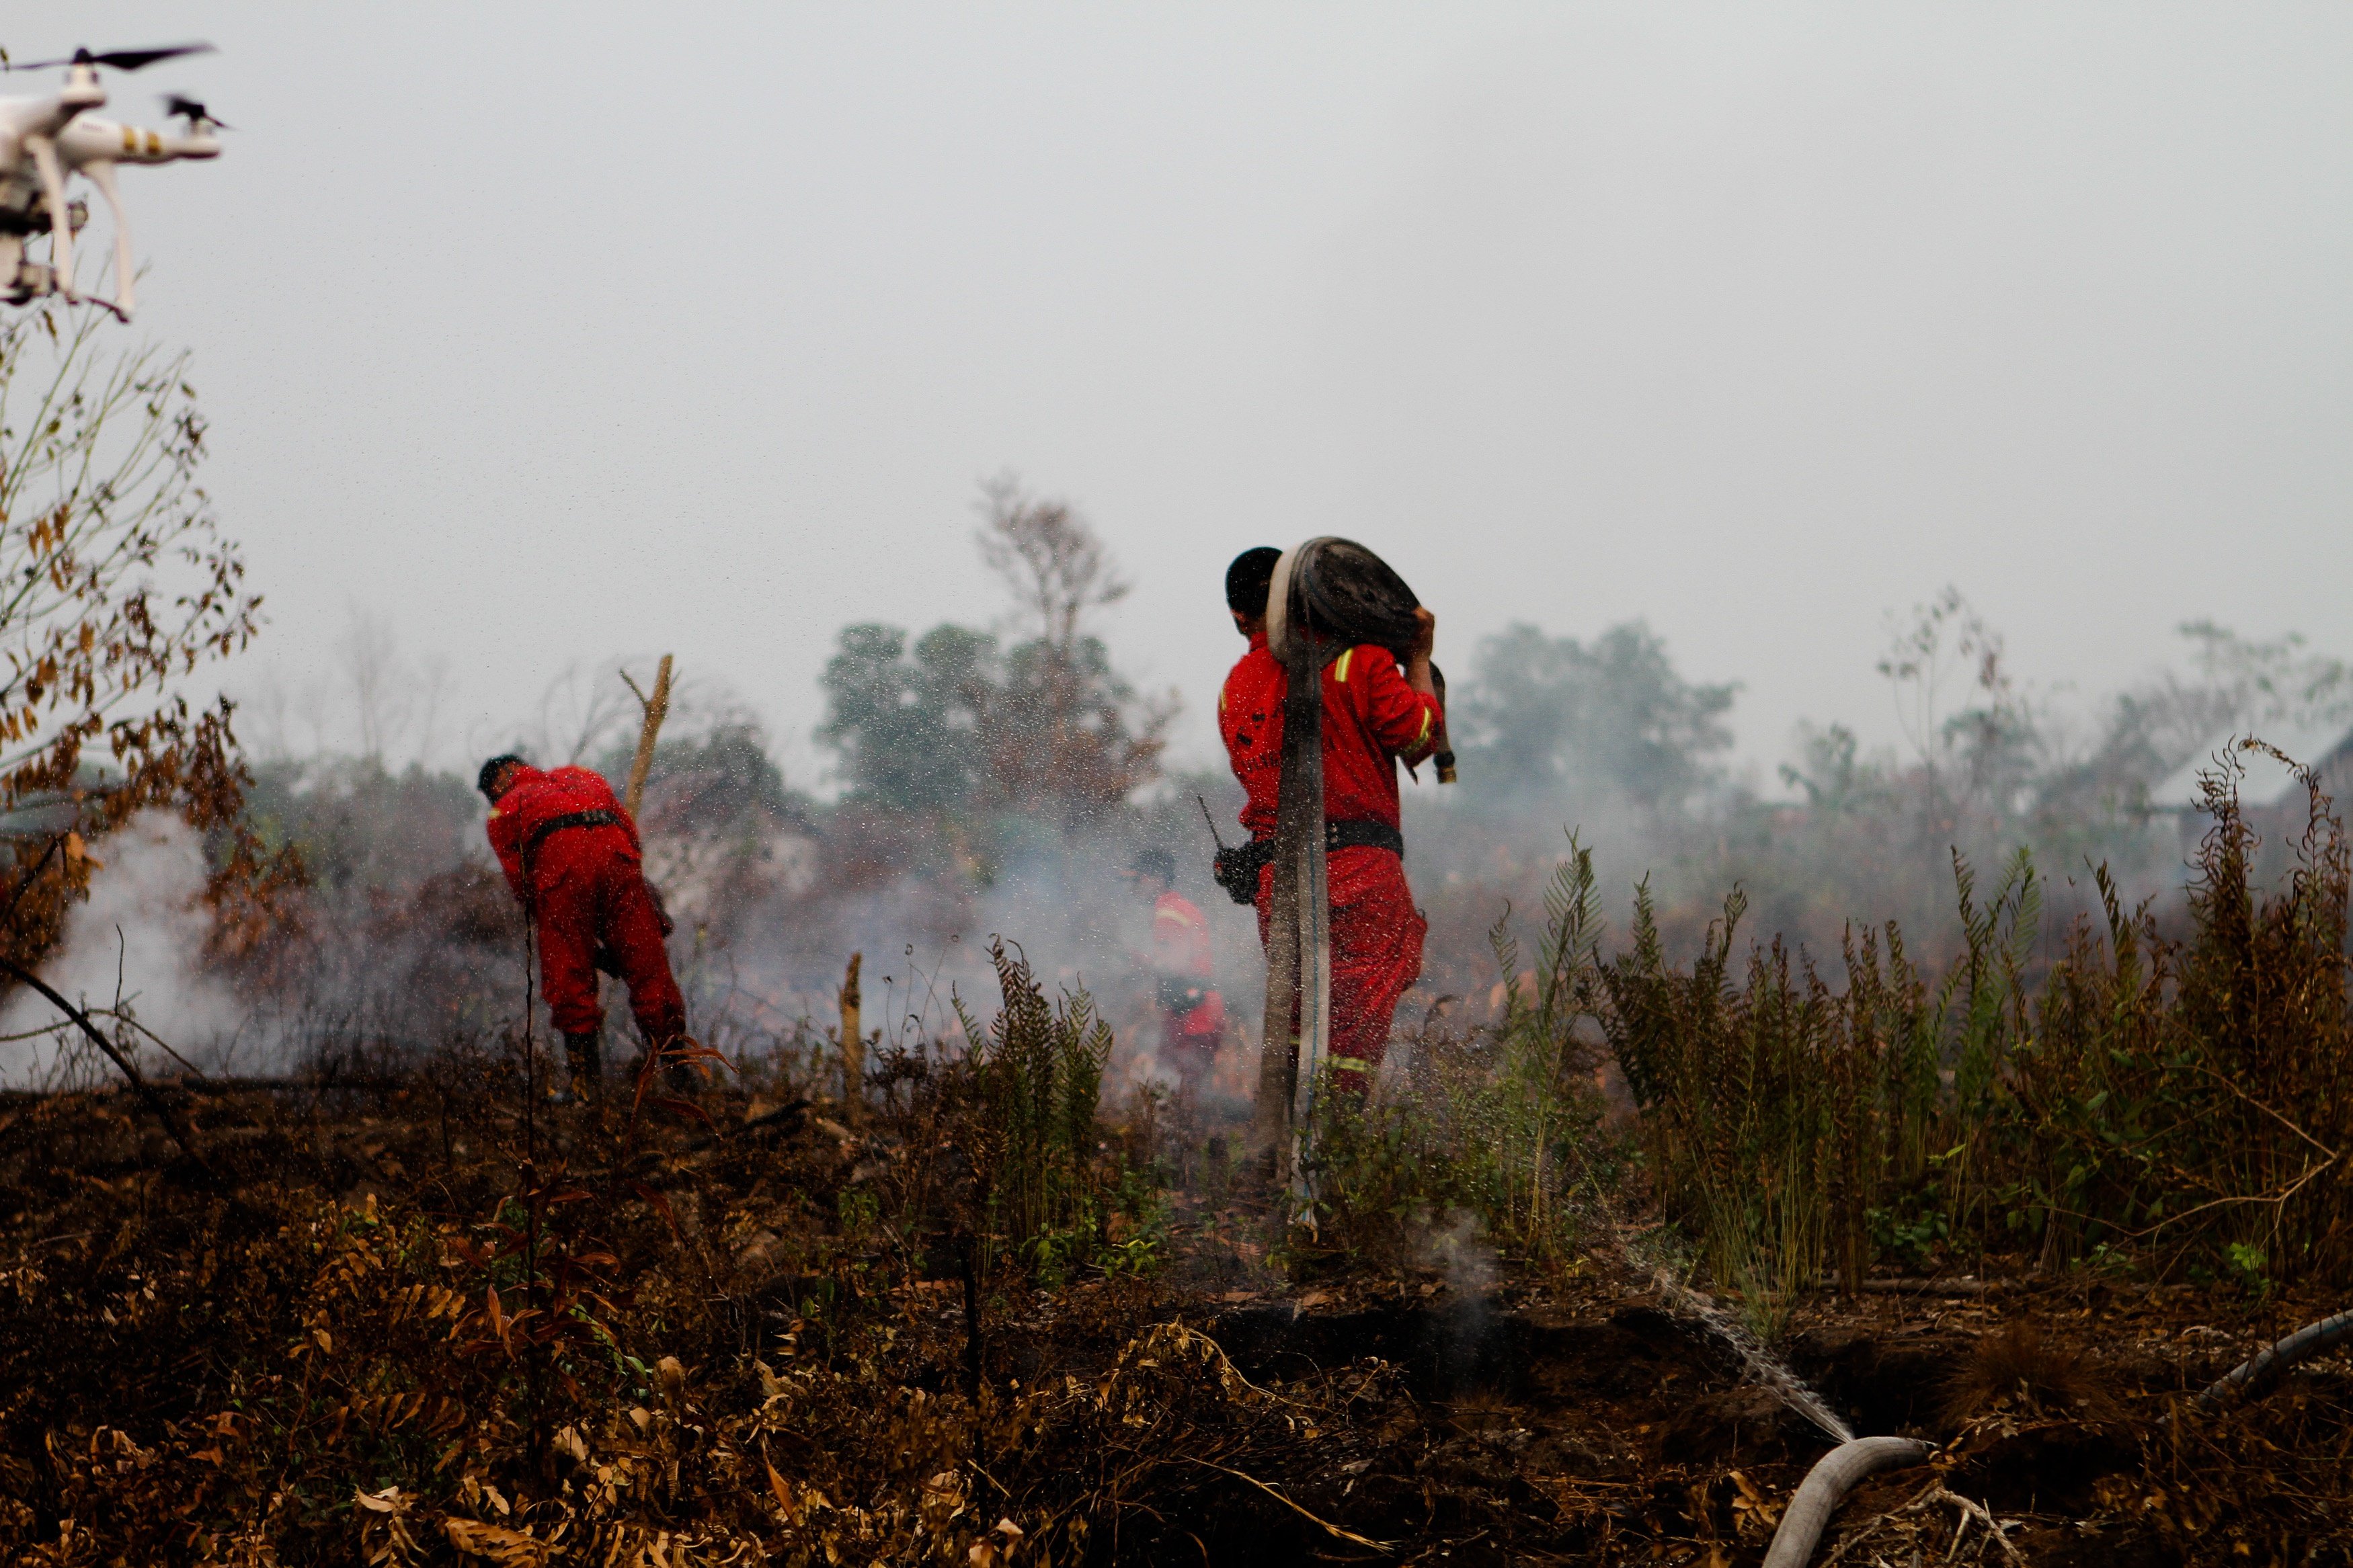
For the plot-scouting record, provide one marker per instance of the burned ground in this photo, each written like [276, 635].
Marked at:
[750, 1342]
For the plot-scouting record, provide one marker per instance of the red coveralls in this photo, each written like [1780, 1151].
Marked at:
[587, 891]
[1372, 721]
[1180, 951]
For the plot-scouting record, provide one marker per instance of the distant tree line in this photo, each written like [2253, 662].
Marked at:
[957, 747]
[961, 721]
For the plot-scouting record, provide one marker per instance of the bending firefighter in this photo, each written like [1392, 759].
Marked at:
[1375, 716]
[571, 856]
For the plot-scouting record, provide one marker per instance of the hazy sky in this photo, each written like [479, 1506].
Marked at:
[548, 334]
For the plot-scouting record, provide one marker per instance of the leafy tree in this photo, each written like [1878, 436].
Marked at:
[1835, 777]
[115, 587]
[361, 827]
[718, 777]
[1049, 557]
[2280, 683]
[2275, 688]
[1545, 715]
[905, 723]
[1990, 758]
[1065, 729]
[958, 724]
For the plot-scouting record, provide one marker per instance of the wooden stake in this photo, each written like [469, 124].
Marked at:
[656, 708]
[853, 1041]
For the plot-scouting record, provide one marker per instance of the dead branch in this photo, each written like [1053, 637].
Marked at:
[1312, 1519]
[181, 1133]
[656, 708]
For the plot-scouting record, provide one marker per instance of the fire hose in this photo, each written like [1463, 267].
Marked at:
[1834, 1474]
[1844, 1468]
[1299, 930]
[2254, 1377]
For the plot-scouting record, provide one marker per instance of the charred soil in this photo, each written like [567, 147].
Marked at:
[747, 1342]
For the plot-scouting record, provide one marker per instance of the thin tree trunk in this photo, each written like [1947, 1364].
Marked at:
[656, 708]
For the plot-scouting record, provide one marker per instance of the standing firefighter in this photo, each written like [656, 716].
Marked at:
[1183, 975]
[1374, 717]
[571, 856]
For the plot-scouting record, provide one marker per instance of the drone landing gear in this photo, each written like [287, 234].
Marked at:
[28, 281]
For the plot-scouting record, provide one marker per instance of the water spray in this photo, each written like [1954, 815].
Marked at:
[1763, 1365]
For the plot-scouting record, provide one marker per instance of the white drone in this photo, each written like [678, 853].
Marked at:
[42, 141]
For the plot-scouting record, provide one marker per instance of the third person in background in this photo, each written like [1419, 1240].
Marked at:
[1184, 976]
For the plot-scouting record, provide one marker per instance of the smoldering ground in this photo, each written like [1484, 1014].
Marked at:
[135, 952]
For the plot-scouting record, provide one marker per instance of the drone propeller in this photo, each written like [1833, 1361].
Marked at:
[121, 59]
[175, 104]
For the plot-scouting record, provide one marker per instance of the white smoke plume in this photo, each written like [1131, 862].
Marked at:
[134, 947]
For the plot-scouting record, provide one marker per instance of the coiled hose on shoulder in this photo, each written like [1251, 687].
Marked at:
[1834, 1474]
[2252, 1378]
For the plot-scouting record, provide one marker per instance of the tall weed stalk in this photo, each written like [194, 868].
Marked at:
[2179, 1102]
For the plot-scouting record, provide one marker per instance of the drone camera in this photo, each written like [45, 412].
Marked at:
[23, 223]
[32, 281]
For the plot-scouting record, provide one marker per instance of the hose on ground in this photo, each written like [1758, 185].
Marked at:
[1838, 1471]
[1833, 1476]
[2252, 1378]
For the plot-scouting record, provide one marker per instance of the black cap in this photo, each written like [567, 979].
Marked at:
[1248, 579]
[490, 769]
[1155, 863]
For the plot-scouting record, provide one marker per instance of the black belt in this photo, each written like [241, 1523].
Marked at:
[1363, 834]
[1236, 870]
[569, 819]
[599, 818]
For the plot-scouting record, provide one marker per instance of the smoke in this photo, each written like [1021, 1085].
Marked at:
[1060, 899]
[1453, 1244]
[409, 938]
[412, 940]
[135, 949]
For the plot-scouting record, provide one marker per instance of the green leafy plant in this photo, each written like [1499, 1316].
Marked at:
[1501, 1128]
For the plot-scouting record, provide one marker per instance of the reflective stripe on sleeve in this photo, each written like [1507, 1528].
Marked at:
[1350, 1064]
[1343, 672]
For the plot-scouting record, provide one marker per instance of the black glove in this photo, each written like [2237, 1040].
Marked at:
[1236, 868]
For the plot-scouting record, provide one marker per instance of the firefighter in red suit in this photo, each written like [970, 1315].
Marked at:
[1375, 717]
[1184, 971]
[571, 856]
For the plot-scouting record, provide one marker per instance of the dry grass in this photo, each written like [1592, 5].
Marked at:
[2018, 1368]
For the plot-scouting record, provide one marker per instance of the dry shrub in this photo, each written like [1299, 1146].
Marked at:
[2174, 1101]
[2015, 1368]
[345, 1383]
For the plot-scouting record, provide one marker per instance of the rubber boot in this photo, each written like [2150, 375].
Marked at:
[584, 1055]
